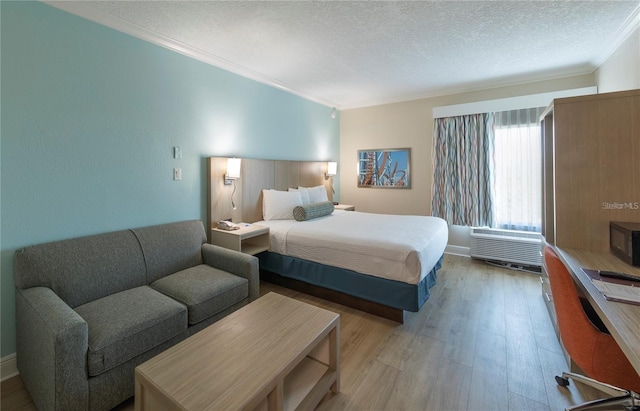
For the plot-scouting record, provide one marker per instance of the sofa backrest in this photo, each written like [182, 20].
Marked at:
[172, 247]
[83, 269]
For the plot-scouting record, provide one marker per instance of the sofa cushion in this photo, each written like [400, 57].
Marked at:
[129, 323]
[83, 269]
[204, 290]
[169, 248]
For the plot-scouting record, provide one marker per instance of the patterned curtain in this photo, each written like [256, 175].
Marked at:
[462, 168]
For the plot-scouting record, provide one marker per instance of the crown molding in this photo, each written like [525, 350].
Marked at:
[97, 16]
[630, 25]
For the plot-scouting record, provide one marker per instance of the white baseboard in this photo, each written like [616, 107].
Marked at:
[8, 367]
[458, 250]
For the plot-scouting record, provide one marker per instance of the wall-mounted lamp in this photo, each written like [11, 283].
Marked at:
[332, 168]
[334, 112]
[233, 173]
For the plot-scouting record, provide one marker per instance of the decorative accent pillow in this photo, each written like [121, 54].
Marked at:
[304, 194]
[317, 194]
[313, 210]
[279, 205]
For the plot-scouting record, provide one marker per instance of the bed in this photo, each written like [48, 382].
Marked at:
[390, 260]
[383, 264]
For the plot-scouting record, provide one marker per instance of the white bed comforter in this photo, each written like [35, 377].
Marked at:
[396, 247]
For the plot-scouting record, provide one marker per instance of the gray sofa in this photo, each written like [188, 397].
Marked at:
[90, 309]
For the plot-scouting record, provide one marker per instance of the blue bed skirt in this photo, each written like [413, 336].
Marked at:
[395, 294]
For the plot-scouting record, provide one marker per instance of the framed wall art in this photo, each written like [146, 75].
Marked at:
[385, 168]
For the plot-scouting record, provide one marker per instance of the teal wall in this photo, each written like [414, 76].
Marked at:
[89, 118]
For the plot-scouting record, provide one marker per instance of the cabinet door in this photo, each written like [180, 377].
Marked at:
[548, 211]
[597, 172]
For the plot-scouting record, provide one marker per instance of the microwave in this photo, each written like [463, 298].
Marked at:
[624, 239]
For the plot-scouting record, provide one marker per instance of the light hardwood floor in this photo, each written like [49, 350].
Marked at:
[483, 341]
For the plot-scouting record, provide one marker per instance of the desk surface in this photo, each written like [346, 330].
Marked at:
[622, 319]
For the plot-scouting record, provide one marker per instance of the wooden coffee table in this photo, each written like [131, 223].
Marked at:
[276, 353]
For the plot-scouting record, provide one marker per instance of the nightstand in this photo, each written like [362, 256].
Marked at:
[345, 207]
[249, 239]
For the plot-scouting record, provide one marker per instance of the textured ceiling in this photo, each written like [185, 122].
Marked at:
[358, 53]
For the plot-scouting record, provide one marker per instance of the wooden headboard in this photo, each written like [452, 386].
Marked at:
[256, 175]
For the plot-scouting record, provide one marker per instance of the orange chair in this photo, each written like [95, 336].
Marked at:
[592, 349]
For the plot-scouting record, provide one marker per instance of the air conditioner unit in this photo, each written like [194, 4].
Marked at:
[511, 246]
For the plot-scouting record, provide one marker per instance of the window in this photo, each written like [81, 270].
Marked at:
[518, 170]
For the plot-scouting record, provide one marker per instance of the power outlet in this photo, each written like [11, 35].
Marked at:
[177, 174]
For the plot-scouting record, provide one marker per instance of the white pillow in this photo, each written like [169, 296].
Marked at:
[317, 194]
[304, 194]
[279, 205]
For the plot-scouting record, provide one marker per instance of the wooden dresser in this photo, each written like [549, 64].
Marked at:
[591, 171]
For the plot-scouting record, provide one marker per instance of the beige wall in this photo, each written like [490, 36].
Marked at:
[389, 126]
[621, 71]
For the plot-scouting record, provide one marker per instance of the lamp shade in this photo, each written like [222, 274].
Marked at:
[332, 168]
[233, 168]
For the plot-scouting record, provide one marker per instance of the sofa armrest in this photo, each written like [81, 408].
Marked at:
[234, 262]
[52, 344]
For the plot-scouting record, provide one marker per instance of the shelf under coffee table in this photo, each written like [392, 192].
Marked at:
[276, 353]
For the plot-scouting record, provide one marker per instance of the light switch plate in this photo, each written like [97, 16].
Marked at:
[177, 152]
[177, 174]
